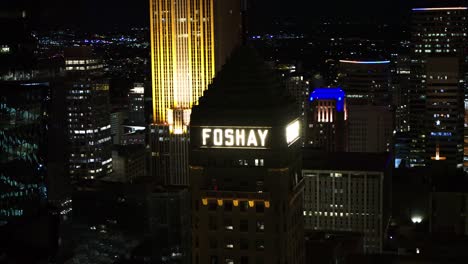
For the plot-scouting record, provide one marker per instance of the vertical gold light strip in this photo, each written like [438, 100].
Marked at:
[196, 71]
[202, 45]
[189, 46]
[161, 64]
[212, 40]
[153, 69]
[173, 36]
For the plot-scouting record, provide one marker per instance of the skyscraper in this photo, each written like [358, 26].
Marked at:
[400, 82]
[245, 167]
[169, 223]
[35, 198]
[365, 82]
[88, 115]
[326, 120]
[367, 85]
[136, 105]
[435, 32]
[190, 40]
[23, 142]
[444, 110]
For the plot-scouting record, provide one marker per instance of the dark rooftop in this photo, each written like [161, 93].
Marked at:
[79, 52]
[350, 161]
[245, 88]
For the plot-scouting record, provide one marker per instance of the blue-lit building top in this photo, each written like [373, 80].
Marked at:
[330, 94]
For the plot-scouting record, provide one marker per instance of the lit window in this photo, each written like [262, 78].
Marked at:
[260, 226]
[260, 245]
[228, 224]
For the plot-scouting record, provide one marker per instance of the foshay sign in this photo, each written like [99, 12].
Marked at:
[235, 137]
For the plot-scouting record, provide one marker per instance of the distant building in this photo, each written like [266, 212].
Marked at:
[401, 84]
[133, 136]
[428, 43]
[326, 120]
[332, 246]
[348, 192]
[88, 115]
[368, 89]
[298, 87]
[401, 149]
[169, 224]
[444, 110]
[370, 128]
[128, 162]
[118, 117]
[365, 82]
[136, 105]
[245, 165]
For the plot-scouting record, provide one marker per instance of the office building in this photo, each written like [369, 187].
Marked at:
[348, 192]
[169, 224]
[444, 110]
[118, 117]
[401, 149]
[332, 247]
[370, 128]
[189, 42]
[367, 85]
[133, 136]
[88, 115]
[136, 105]
[23, 141]
[365, 82]
[298, 87]
[35, 195]
[326, 120]
[245, 165]
[401, 84]
[128, 163]
[435, 32]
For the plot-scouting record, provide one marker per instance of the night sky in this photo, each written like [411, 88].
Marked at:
[109, 14]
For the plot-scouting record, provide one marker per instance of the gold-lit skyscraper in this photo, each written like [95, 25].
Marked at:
[190, 40]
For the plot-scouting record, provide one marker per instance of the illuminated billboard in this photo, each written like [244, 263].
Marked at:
[246, 137]
[235, 137]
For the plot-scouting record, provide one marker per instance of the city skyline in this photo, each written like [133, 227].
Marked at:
[212, 131]
[122, 14]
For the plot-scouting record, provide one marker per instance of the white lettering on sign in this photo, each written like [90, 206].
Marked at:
[240, 137]
[218, 137]
[206, 135]
[252, 139]
[229, 133]
[263, 136]
[234, 138]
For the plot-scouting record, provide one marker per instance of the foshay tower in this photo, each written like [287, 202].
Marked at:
[245, 168]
